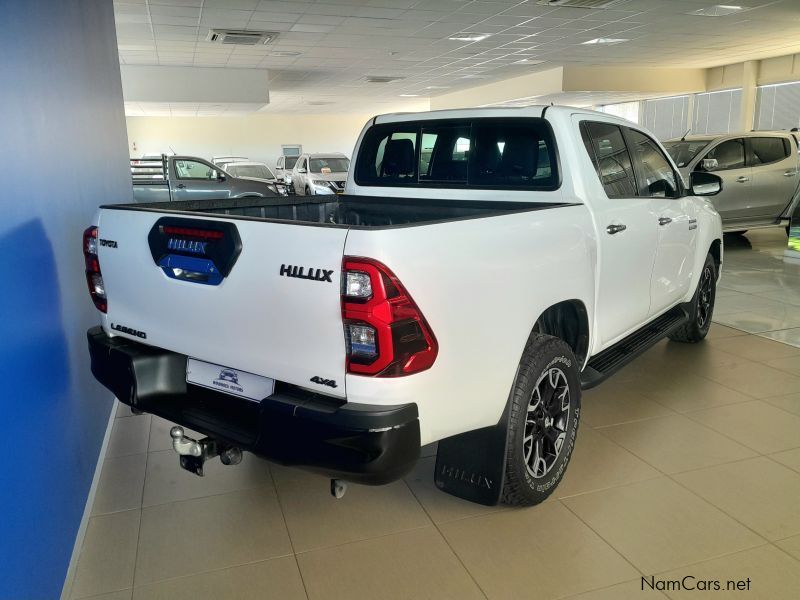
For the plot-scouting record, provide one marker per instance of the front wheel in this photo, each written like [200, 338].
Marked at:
[701, 308]
[543, 418]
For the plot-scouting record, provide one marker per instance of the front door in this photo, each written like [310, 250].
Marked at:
[197, 180]
[627, 235]
[673, 215]
[727, 159]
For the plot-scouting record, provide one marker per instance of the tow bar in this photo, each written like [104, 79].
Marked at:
[194, 453]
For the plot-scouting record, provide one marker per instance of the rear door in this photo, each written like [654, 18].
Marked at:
[774, 170]
[255, 296]
[627, 234]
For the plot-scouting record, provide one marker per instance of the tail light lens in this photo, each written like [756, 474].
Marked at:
[385, 332]
[94, 278]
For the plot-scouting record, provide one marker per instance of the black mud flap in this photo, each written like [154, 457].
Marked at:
[472, 465]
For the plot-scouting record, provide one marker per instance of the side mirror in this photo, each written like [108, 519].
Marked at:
[710, 164]
[220, 176]
[705, 184]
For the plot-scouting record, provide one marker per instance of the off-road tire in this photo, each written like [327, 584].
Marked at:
[701, 308]
[543, 356]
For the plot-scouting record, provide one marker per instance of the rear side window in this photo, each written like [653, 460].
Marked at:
[606, 147]
[769, 150]
[460, 153]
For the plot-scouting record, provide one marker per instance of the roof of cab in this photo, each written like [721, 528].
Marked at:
[535, 111]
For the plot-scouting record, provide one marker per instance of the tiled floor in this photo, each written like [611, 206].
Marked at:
[687, 463]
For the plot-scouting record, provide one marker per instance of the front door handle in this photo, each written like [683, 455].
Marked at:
[664, 220]
[790, 173]
[612, 229]
[742, 179]
[181, 186]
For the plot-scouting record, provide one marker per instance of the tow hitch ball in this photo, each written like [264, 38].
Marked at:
[194, 453]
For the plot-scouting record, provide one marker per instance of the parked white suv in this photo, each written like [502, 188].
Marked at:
[320, 173]
[463, 295]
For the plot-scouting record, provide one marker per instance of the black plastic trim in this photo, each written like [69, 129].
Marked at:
[370, 444]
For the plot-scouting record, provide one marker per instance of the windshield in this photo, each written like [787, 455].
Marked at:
[329, 165]
[290, 162]
[256, 171]
[683, 151]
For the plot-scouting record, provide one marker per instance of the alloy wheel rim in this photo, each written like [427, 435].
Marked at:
[546, 422]
[704, 293]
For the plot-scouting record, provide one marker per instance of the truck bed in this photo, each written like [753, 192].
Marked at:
[343, 211]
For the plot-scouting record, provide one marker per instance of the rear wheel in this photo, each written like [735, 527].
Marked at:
[543, 420]
[701, 307]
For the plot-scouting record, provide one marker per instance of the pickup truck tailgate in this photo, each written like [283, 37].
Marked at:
[263, 315]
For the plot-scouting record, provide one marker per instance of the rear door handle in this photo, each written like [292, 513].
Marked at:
[181, 186]
[612, 229]
[664, 220]
[742, 179]
[790, 173]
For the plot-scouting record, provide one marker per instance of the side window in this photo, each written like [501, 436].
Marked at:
[190, 169]
[606, 148]
[658, 177]
[728, 155]
[768, 150]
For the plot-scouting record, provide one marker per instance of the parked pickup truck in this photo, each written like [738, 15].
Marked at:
[466, 299]
[190, 178]
[760, 171]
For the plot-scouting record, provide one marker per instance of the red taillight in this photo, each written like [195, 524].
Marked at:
[386, 334]
[94, 279]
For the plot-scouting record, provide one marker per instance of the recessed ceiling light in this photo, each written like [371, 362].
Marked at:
[284, 53]
[473, 76]
[468, 36]
[718, 10]
[409, 95]
[437, 87]
[527, 61]
[605, 41]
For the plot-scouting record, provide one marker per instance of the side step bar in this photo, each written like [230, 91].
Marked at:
[612, 359]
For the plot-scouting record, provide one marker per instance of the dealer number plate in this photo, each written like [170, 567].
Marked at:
[228, 380]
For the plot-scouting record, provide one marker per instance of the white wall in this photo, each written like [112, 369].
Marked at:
[258, 137]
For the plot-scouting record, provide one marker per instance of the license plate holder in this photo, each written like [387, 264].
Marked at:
[228, 380]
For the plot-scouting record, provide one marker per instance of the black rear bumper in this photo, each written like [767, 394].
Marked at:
[368, 444]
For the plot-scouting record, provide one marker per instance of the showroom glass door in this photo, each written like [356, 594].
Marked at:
[627, 234]
[674, 217]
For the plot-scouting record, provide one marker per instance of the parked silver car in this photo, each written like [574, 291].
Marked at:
[320, 173]
[283, 168]
[254, 171]
[759, 172]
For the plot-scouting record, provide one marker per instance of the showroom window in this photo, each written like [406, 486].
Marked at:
[778, 106]
[717, 112]
[769, 150]
[510, 153]
[606, 147]
[667, 118]
[625, 110]
[658, 177]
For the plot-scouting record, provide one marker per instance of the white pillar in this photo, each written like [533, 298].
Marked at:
[749, 84]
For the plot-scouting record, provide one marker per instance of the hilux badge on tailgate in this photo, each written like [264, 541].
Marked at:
[191, 246]
[300, 273]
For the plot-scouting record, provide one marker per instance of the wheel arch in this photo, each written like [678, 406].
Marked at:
[567, 320]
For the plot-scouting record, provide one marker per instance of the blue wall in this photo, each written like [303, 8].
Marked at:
[63, 151]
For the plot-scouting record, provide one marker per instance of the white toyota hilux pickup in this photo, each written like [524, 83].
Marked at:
[481, 268]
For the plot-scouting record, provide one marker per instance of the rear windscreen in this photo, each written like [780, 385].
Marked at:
[493, 153]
